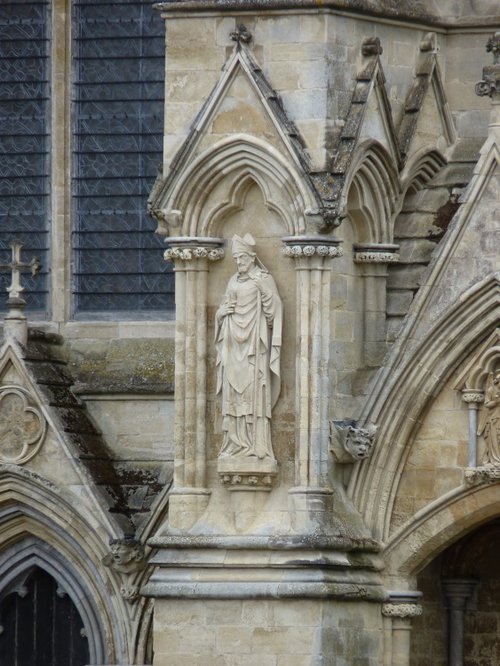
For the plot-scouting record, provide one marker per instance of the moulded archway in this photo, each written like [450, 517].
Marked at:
[223, 167]
[404, 399]
[39, 528]
[439, 525]
[461, 606]
[373, 193]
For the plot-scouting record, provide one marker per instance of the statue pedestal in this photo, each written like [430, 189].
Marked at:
[238, 473]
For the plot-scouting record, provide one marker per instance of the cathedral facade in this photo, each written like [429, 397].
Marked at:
[250, 354]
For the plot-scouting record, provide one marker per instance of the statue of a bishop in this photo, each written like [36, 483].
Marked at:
[248, 344]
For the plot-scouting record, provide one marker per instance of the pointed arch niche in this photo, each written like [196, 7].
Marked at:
[426, 210]
[192, 202]
[239, 184]
[371, 202]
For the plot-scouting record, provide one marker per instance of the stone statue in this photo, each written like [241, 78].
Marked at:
[348, 443]
[489, 422]
[248, 345]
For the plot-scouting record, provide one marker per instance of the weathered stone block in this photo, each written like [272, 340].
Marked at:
[399, 301]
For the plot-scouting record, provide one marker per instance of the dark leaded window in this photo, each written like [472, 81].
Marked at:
[41, 625]
[24, 140]
[118, 105]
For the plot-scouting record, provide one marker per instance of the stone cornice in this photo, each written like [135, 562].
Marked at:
[405, 12]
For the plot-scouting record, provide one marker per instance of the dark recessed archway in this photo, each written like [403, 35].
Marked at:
[40, 625]
[470, 564]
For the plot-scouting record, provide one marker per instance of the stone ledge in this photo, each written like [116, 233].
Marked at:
[261, 590]
[283, 542]
[406, 11]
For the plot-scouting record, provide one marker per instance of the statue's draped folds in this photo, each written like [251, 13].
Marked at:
[248, 346]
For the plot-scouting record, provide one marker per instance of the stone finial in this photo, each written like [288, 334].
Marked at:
[16, 266]
[371, 47]
[429, 43]
[15, 326]
[490, 83]
[241, 34]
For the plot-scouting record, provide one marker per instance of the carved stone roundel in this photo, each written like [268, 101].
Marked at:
[22, 426]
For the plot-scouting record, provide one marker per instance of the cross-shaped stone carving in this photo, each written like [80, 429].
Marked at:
[16, 266]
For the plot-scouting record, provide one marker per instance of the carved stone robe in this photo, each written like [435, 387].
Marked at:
[489, 424]
[248, 345]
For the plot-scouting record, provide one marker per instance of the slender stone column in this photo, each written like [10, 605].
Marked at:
[473, 398]
[457, 592]
[373, 259]
[401, 608]
[189, 495]
[312, 255]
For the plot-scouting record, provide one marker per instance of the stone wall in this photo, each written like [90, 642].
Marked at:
[436, 458]
[270, 633]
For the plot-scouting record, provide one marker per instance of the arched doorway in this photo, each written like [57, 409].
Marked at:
[40, 625]
[461, 601]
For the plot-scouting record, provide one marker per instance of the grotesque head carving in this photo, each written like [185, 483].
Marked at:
[126, 556]
[359, 442]
[348, 443]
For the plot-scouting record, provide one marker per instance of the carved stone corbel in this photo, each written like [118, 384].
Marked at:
[350, 443]
[127, 557]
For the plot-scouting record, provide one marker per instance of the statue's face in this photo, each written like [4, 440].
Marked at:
[244, 262]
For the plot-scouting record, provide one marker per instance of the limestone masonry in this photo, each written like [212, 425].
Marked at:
[300, 465]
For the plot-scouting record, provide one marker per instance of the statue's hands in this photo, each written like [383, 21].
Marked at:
[227, 308]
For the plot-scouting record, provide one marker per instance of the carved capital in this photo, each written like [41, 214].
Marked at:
[472, 396]
[488, 88]
[488, 474]
[193, 253]
[376, 258]
[22, 425]
[376, 253]
[297, 247]
[396, 610]
[193, 249]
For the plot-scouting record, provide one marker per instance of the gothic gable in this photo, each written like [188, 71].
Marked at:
[46, 429]
[427, 122]
[241, 127]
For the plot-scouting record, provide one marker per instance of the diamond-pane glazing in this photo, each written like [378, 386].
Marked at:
[24, 141]
[118, 129]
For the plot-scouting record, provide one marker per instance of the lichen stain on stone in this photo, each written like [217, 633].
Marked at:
[123, 365]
